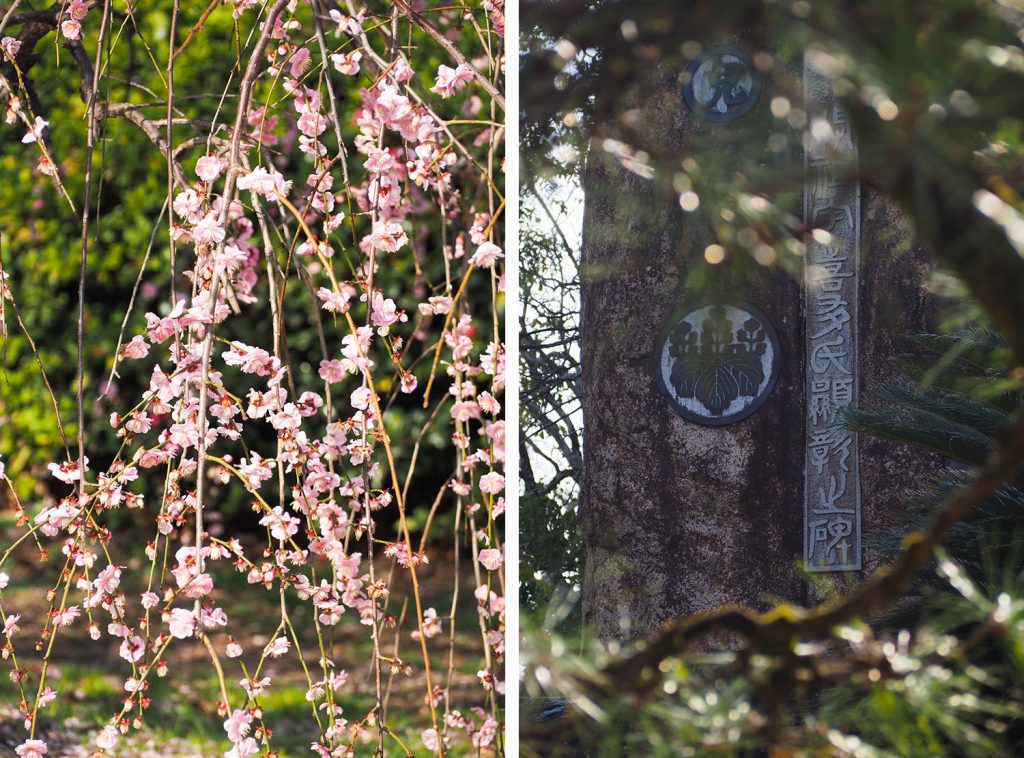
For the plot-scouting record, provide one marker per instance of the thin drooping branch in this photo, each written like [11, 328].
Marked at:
[80, 327]
[193, 31]
[7, 16]
[423, 23]
[244, 95]
[131, 302]
[39, 363]
[133, 115]
[90, 141]
[171, 162]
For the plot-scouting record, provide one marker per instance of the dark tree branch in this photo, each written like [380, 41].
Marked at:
[121, 110]
[775, 631]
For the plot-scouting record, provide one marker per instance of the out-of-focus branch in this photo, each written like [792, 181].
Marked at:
[775, 631]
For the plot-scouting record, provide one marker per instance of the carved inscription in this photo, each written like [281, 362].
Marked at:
[832, 528]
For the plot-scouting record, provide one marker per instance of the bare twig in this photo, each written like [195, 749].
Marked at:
[434, 33]
[131, 301]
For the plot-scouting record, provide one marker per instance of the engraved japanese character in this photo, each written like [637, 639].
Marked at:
[824, 356]
[819, 406]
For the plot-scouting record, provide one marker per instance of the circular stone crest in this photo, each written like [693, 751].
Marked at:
[717, 362]
[723, 84]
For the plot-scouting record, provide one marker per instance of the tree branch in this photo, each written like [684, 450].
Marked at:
[776, 630]
[453, 51]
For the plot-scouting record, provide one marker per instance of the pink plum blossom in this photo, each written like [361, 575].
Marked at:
[492, 483]
[213, 619]
[209, 167]
[31, 749]
[259, 181]
[36, 132]
[67, 616]
[431, 740]
[346, 63]
[491, 559]
[208, 231]
[232, 258]
[187, 205]
[107, 738]
[254, 686]
[251, 360]
[361, 398]
[255, 471]
[287, 418]
[332, 370]
[387, 237]
[71, 28]
[277, 647]
[299, 62]
[108, 580]
[431, 625]
[182, 623]
[237, 725]
[47, 697]
[10, 46]
[282, 525]
[486, 255]
[437, 306]
[450, 79]
[489, 404]
[333, 301]
[78, 9]
[384, 313]
[244, 749]
[136, 348]
[133, 649]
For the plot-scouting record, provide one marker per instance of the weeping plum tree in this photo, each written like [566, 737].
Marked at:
[251, 284]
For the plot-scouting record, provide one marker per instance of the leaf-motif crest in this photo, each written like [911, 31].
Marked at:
[719, 364]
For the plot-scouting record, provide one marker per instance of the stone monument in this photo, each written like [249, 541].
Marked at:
[714, 470]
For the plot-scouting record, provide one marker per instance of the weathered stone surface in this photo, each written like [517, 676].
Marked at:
[680, 517]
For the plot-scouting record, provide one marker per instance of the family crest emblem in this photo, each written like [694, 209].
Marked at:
[719, 362]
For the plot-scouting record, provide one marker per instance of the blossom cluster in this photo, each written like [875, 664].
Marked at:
[325, 490]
